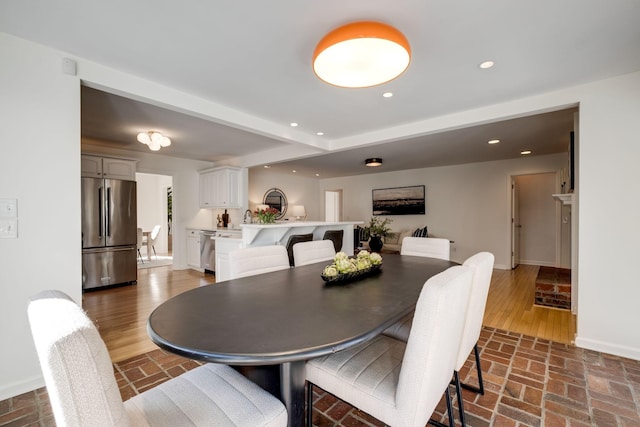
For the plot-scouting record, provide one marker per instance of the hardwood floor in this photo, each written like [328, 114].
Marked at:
[121, 313]
[510, 307]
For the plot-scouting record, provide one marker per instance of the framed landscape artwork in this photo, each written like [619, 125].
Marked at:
[399, 201]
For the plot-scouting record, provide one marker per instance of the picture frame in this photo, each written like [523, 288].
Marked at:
[399, 200]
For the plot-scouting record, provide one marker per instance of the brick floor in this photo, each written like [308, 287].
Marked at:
[528, 382]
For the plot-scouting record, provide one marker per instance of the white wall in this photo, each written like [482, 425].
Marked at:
[152, 206]
[43, 174]
[609, 202]
[538, 218]
[468, 204]
[298, 190]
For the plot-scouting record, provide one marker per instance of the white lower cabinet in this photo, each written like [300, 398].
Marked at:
[193, 248]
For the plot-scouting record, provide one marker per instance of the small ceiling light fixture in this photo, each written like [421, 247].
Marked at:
[155, 140]
[525, 152]
[387, 94]
[493, 141]
[486, 64]
[373, 162]
[293, 125]
[319, 133]
[361, 54]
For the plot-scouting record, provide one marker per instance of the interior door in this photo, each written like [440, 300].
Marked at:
[515, 225]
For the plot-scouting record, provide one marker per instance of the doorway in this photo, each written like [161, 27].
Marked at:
[333, 205]
[535, 227]
[155, 200]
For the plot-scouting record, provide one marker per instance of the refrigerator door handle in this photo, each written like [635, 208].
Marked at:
[108, 213]
[99, 212]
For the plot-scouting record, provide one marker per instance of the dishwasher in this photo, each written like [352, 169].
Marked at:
[208, 251]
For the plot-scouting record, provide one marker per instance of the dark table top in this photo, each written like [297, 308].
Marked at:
[288, 315]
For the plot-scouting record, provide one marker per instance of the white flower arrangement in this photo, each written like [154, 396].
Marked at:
[343, 265]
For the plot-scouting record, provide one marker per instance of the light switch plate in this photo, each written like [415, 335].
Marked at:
[8, 208]
[9, 228]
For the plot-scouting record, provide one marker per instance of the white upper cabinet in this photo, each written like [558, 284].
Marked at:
[222, 188]
[108, 167]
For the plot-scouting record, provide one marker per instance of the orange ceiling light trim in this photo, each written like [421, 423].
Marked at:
[361, 54]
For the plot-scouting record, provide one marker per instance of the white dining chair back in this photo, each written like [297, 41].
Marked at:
[83, 390]
[401, 384]
[257, 260]
[482, 266]
[153, 237]
[432, 247]
[315, 251]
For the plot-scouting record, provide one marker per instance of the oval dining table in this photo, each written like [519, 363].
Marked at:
[287, 317]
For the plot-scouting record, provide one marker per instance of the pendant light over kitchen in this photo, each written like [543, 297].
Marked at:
[361, 54]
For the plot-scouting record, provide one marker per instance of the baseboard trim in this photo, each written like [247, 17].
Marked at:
[539, 263]
[605, 347]
[20, 387]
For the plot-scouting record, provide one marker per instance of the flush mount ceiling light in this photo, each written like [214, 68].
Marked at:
[361, 54]
[155, 140]
[373, 162]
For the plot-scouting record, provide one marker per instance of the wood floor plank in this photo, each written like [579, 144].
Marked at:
[121, 313]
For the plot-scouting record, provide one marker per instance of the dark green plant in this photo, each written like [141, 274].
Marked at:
[378, 227]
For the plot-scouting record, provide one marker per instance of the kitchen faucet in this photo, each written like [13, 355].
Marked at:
[245, 216]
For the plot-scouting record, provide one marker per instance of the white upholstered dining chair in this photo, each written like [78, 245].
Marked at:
[314, 251]
[257, 260]
[83, 390]
[482, 266]
[401, 384]
[432, 247]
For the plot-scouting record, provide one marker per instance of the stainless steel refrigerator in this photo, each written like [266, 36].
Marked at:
[109, 232]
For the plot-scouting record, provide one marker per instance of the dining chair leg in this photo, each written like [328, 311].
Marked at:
[459, 397]
[140, 255]
[475, 389]
[309, 404]
[447, 397]
[154, 252]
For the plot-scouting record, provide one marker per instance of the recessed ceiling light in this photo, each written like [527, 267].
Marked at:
[317, 174]
[319, 133]
[525, 152]
[493, 141]
[294, 171]
[267, 166]
[373, 162]
[487, 64]
[387, 94]
[293, 124]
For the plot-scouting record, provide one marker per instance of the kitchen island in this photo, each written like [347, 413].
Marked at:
[276, 234]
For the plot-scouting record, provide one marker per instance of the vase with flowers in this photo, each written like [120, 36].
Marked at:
[267, 216]
[377, 228]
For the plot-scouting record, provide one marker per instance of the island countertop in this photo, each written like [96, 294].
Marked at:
[296, 224]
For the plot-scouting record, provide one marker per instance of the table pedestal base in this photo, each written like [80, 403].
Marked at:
[286, 382]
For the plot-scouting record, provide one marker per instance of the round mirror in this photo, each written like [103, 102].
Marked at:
[275, 198]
